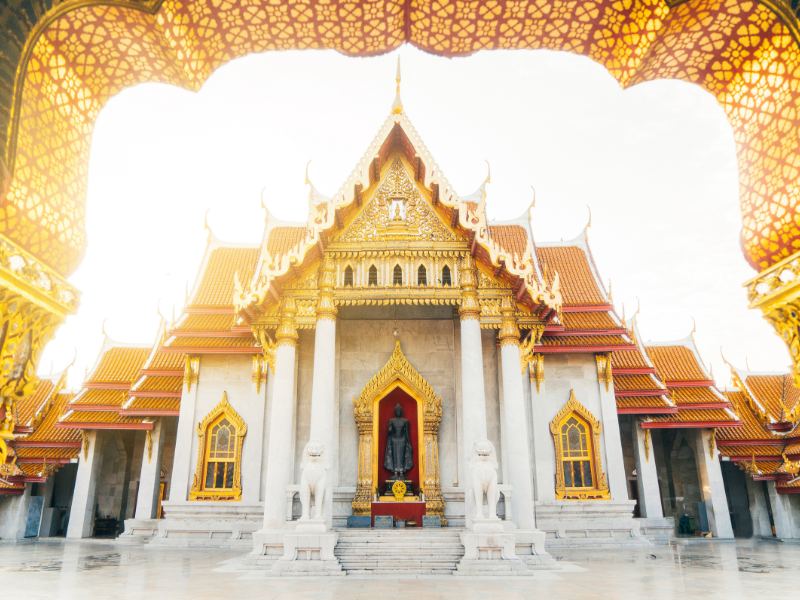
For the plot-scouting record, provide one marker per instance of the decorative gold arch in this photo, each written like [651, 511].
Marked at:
[398, 373]
[599, 489]
[198, 490]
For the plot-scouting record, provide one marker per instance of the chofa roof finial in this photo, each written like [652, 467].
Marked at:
[397, 105]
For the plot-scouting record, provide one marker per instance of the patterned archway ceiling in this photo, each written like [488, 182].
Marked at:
[60, 61]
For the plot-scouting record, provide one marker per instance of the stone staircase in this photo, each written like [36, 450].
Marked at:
[399, 552]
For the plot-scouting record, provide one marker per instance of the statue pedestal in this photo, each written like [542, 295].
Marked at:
[489, 550]
[306, 552]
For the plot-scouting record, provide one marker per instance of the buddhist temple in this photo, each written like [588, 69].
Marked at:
[400, 361]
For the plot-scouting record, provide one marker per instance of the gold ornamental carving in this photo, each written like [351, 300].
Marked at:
[509, 331]
[286, 333]
[604, 369]
[776, 292]
[191, 372]
[326, 307]
[199, 491]
[599, 490]
[470, 307]
[398, 373]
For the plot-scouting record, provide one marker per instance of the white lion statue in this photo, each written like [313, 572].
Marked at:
[483, 473]
[313, 481]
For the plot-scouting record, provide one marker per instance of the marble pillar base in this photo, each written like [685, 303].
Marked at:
[139, 530]
[594, 524]
[489, 549]
[308, 553]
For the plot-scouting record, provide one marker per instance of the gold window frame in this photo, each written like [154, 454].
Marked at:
[198, 490]
[599, 489]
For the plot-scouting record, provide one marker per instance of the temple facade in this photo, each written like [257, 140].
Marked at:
[399, 361]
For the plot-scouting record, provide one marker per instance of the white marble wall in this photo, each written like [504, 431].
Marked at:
[218, 374]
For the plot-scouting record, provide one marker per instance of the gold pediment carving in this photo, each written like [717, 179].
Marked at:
[397, 210]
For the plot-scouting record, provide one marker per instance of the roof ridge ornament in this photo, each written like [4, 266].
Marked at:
[397, 105]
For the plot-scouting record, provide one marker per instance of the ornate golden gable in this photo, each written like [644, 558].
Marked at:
[397, 210]
[398, 373]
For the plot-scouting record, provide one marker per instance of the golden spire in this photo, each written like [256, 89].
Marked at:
[397, 105]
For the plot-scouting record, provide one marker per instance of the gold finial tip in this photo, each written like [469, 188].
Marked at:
[397, 105]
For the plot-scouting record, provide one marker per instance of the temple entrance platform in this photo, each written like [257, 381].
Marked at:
[59, 569]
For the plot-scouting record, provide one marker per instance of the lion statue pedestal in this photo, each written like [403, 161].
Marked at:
[488, 548]
[308, 550]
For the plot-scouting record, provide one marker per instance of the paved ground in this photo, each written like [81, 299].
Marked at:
[99, 570]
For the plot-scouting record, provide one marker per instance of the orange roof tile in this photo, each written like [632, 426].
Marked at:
[165, 361]
[511, 238]
[589, 320]
[100, 397]
[89, 418]
[282, 239]
[32, 452]
[147, 406]
[792, 447]
[631, 402]
[629, 359]
[27, 406]
[46, 431]
[578, 284]
[752, 427]
[216, 282]
[159, 384]
[212, 342]
[712, 415]
[676, 363]
[580, 340]
[205, 322]
[637, 382]
[695, 395]
[119, 364]
[751, 451]
[776, 393]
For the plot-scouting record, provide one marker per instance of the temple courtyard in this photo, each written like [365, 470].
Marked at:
[99, 569]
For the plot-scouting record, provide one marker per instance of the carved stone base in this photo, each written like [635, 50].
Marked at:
[488, 550]
[308, 553]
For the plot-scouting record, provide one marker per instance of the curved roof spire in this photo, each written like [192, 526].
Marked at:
[397, 105]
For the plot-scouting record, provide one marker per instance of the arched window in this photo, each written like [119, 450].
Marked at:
[397, 275]
[372, 276]
[348, 276]
[219, 455]
[446, 276]
[576, 436]
[422, 275]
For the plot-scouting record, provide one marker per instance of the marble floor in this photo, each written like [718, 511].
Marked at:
[96, 569]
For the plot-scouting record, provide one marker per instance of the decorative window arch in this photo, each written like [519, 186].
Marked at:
[397, 275]
[446, 278]
[348, 276]
[576, 436]
[220, 436]
[372, 276]
[422, 275]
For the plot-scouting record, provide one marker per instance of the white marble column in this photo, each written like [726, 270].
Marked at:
[281, 421]
[323, 385]
[473, 391]
[615, 463]
[712, 487]
[759, 513]
[646, 474]
[81, 514]
[150, 474]
[781, 513]
[544, 458]
[14, 515]
[515, 438]
[184, 460]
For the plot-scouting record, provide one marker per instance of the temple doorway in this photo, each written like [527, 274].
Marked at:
[735, 482]
[386, 412]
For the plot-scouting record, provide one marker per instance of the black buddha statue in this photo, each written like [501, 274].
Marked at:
[399, 456]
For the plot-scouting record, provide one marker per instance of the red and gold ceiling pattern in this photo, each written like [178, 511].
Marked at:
[81, 52]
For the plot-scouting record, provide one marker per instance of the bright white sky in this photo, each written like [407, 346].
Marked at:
[656, 163]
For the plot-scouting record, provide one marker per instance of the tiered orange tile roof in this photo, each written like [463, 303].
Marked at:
[700, 404]
[767, 438]
[46, 447]
[98, 403]
[513, 238]
[26, 407]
